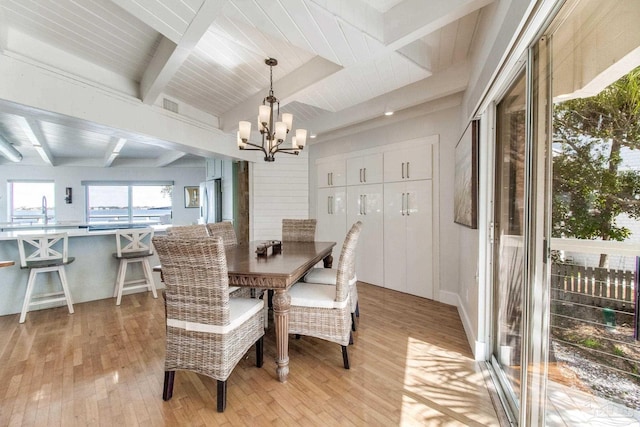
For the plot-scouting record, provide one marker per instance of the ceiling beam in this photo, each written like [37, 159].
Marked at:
[168, 158]
[170, 55]
[402, 25]
[113, 151]
[32, 131]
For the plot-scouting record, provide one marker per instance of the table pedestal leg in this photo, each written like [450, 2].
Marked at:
[328, 261]
[281, 304]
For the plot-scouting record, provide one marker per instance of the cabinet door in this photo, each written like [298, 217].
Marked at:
[408, 164]
[419, 242]
[331, 216]
[364, 170]
[365, 204]
[394, 237]
[331, 174]
[213, 168]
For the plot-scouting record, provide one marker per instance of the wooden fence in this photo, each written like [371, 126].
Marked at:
[593, 286]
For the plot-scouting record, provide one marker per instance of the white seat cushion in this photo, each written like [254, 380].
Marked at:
[315, 295]
[240, 310]
[324, 276]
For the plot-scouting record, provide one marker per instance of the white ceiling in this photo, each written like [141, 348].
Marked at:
[340, 63]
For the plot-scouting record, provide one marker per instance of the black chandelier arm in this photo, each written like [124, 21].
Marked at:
[257, 147]
[295, 151]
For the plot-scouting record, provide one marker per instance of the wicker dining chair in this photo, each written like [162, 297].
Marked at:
[207, 332]
[298, 230]
[198, 230]
[327, 276]
[225, 230]
[323, 311]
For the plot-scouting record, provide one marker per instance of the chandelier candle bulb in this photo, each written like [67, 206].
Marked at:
[264, 113]
[241, 144]
[281, 131]
[301, 138]
[287, 118]
[244, 130]
[293, 142]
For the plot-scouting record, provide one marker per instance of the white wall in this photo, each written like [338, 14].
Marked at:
[278, 190]
[441, 118]
[68, 176]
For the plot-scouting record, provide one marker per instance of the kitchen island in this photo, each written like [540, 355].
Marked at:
[91, 276]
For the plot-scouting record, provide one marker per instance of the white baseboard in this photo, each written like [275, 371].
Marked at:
[478, 348]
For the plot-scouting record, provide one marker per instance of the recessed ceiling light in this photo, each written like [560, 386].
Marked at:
[388, 113]
[313, 136]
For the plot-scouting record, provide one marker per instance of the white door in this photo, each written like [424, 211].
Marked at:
[332, 216]
[365, 203]
[395, 238]
[408, 243]
[419, 242]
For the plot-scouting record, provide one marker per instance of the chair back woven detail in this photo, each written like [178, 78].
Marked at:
[298, 230]
[225, 230]
[133, 241]
[47, 248]
[198, 230]
[196, 277]
[346, 263]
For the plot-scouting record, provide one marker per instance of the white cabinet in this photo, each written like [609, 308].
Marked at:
[408, 163]
[331, 215]
[331, 174]
[408, 243]
[214, 168]
[364, 169]
[365, 203]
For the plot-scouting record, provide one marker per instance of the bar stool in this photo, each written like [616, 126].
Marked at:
[133, 245]
[44, 254]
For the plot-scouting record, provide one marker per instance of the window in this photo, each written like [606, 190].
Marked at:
[128, 202]
[32, 202]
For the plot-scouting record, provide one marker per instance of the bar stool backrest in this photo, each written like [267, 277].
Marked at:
[133, 241]
[43, 248]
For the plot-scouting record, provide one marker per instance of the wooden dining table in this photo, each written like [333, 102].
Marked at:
[277, 271]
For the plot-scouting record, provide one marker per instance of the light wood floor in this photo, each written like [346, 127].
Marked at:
[103, 365]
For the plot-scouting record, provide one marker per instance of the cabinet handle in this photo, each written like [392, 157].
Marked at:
[329, 205]
[360, 174]
[365, 204]
[360, 204]
[408, 211]
[365, 174]
[407, 177]
[402, 171]
[402, 204]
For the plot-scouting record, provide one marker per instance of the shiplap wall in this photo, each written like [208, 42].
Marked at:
[278, 190]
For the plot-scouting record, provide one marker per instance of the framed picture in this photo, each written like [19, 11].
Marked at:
[191, 197]
[466, 177]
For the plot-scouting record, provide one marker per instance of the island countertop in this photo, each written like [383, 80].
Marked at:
[74, 231]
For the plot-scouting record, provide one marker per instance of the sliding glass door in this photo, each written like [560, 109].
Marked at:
[509, 241]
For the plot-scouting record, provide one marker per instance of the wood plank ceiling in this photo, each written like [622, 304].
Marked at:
[340, 62]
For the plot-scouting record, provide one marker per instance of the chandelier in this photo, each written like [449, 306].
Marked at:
[273, 131]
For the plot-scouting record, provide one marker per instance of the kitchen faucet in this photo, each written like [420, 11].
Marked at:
[44, 210]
